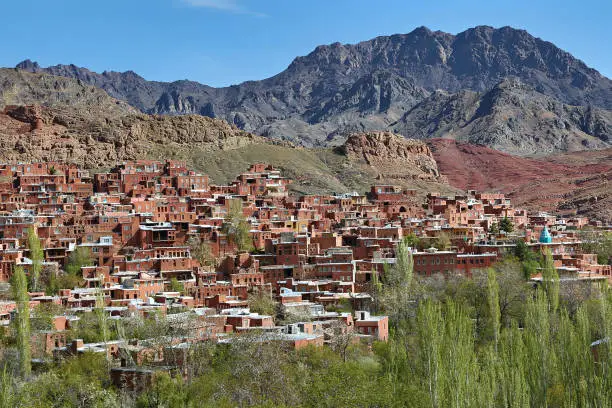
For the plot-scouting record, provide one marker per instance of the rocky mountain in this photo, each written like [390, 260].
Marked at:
[100, 131]
[511, 117]
[18, 87]
[81, 124]
[386, 82]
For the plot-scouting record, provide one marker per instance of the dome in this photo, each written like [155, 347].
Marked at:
[545, 237]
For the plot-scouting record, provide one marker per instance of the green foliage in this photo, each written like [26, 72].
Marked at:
[80, 257]
[52, 287]
[22, 320]
[442, 241]
[261, 301]
[93, 328]
[42, 316]
[597, 242]
[78, 382]
[506, 225]
[393, 295]
[513, 290]
[101, 318]
[413, 241]
[528, 258]
[36, 254]
[176, 286]
[73, 277]
[165, 391]
[237, 228]
[493, 300]
[490, 341]
[550, 281]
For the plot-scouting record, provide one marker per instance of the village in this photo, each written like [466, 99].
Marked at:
[152, 238]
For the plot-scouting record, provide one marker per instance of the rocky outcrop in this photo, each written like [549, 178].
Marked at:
[392, 156]
[35, 133]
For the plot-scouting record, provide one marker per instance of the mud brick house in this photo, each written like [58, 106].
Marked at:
[154, 228]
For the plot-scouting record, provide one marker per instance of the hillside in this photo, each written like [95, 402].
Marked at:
[571, 183]
[383, 83]
[19, 87]
[102, 137]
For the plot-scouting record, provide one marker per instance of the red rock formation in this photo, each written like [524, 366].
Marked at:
[393, 156]
[566, 182]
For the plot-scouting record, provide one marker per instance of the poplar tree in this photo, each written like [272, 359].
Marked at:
[539, 354]
[493, 300]
[459, 367]
[397, 284]
[101, 316]
[429, 327]
[513, 387]
[22, 320]
[37, 257]
[550, 281]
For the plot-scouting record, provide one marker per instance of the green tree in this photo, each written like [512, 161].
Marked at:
[528, 258]
[506, 225]
[261, 301]
[395, 291]
[550, 281]
[540, 357]
[36, 254]
[494, 229]
[442, 241]
[176, 286]
[73, 277]
[101, 316]
[413, 241]
[7, 389]
[52, 287]
[493, 301]
[22, 320]
[236, 227]
[513, 290]
[597, 242]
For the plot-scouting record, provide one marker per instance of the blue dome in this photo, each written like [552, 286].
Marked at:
[545, 237]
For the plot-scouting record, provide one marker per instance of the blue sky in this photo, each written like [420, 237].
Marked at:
[222, 42]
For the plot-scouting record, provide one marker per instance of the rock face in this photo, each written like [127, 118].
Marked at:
[392, 156]
[35, 133]
[19, 87]
[340, 89]
[511, 117]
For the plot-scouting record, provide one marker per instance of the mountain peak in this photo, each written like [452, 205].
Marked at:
[421, 30]
[28, 65]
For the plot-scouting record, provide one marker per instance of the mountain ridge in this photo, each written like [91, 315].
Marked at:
[339, 89]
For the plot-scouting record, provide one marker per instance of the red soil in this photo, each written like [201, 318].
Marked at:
[572, 182]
